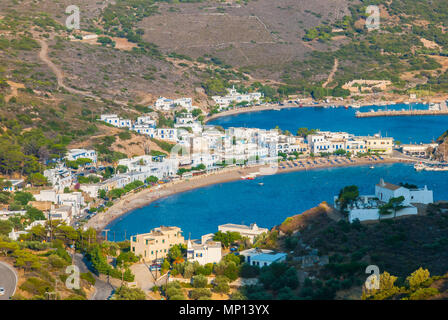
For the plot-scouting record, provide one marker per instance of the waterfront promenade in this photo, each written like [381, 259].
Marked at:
[146, 196]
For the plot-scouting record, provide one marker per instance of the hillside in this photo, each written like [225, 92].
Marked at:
[398, 247]
[55, 83]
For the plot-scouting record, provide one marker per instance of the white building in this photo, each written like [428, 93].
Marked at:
[233, 97]
[329, 142]
[207, 251]
[6, 214]
[418, 150]
[165, 104]
[116, 121]
[159, 167]
[250, 232]
[91, 189]
[16, 185]
[72, 199]
[47, 195]
[261, 257]
[385, 191]
[366, 207]
[59, 177]
[63, 213]
[75, 154]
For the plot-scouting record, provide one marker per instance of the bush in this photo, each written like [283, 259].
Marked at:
[88, 276]
[199, 293]
[57, 262]
[36, 286]
[200, 281]
[221, 285]
[248, 271]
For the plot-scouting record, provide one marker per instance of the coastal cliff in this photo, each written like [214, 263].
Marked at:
[441, 152]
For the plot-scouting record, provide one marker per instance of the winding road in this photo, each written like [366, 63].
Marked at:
[8, 280]
[103, 289]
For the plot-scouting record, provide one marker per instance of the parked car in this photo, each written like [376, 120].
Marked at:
[2, 291]
[155, 267]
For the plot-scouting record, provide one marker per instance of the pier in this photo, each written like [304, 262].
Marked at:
[441, 110]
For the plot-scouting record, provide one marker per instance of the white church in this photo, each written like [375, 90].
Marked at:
[366, 207]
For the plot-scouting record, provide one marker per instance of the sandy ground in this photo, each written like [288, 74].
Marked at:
[146, 196]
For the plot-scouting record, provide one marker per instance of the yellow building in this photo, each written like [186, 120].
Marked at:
[382, 145]
[156, 244]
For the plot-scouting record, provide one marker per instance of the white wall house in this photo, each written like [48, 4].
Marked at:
[261, 257]
[384, 191]
[116, 121]
[63, 213]
[151, 166]
[204, 252]
[16, 185]
[59, 177]
[366, 207]
[233, 97]
[250, 232]
[75, 154]
[91, 189]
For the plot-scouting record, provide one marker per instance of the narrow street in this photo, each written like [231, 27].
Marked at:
[103, 289]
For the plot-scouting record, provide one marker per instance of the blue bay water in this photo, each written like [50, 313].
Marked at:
[405, 129]
[200, 211]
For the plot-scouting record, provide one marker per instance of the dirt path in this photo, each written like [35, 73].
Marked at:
[332, 73]
[43, 55]
[14, 89]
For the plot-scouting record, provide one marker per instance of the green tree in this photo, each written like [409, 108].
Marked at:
[125, 293]
[221, 284]
[418, 277]
[200, 294]
[200, 281]
[37, 179]
[23, 197]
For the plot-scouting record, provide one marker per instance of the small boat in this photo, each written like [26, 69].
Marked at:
[372, 167]
[261, 184]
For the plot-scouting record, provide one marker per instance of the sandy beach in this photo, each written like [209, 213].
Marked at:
[145, 197]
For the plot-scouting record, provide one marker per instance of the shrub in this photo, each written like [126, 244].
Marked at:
[199, 293]
[88, 276]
